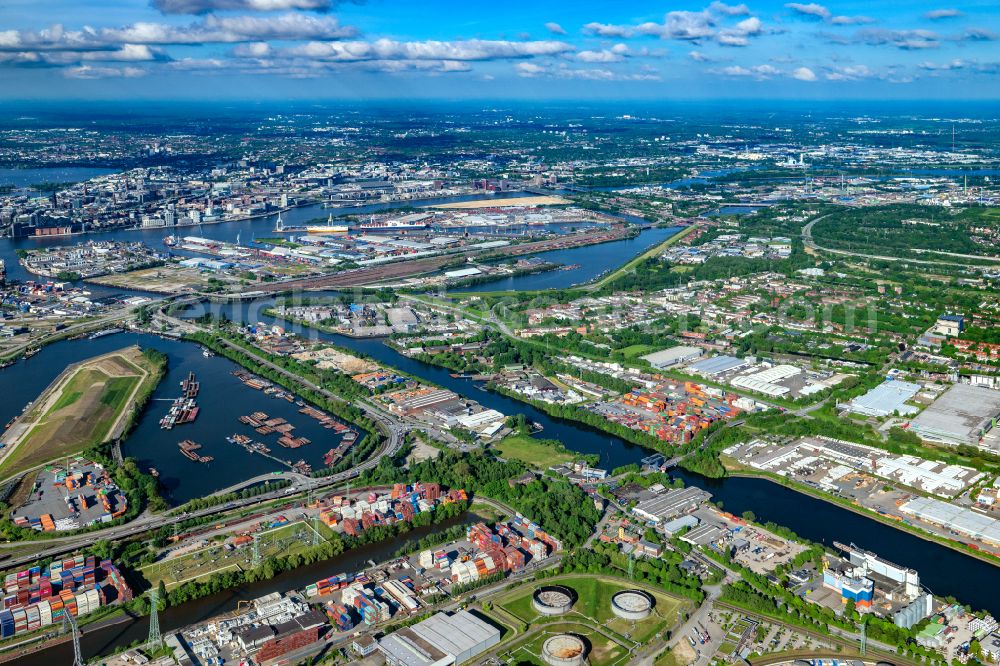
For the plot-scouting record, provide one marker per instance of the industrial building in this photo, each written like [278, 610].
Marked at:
[440, 640]
[669, 504]
[962, 415]
[963, 521]
[667, 358]
[718, 365]
[886, 399]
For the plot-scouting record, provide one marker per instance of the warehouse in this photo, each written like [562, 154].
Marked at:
[669, 505]
[718, 365]
[886, 399]
[955, 518]
[666, 358]
[440, 640]
[962, 415]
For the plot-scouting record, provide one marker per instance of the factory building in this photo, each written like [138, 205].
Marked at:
[440, 640]
[858, 589]
[668, 504]
[717, 365]
[962, 415]
[667, 358]
[885, 399]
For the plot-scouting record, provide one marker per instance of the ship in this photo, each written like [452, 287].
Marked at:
[171, 241]
[328, 228]
[407, 223]
[100, 334]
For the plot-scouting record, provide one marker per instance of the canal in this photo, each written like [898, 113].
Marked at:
[104, 640]
[942, 570]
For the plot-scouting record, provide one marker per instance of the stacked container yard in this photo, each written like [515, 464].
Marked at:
[34, 598]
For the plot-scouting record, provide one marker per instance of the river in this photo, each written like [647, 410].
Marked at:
[943, 570]
[244, 230]
[38, 176]
[588, 263]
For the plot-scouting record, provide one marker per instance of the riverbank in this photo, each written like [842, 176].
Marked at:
[673, 240]
[909, 528]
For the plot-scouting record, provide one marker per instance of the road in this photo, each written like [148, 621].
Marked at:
[807, 240]
[100, 322]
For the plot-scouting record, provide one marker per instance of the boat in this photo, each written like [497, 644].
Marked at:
[190, 386]
[207, 353]
[154, 472]
[100, 334]
[189, 450]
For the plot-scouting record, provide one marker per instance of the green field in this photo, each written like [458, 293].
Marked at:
[594, 604]
[534, 452]
[80, 409]
[214, 558]
[636, 350]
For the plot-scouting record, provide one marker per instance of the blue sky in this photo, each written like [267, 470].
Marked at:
[377, 49]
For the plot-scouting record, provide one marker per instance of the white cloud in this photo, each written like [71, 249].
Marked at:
[206, 6]
[810, 9]
[759, 72]
[944, 66]
[387, 49]
[555, 28]
[945, 13]
[851, 20]
[90, 72]
[729, 10]
[909, 40]
[607, 30]
[528, 69]
[682, 25]
[532, 70]
[850, 73]
[604, 55]
[804, 74]
[821, 12]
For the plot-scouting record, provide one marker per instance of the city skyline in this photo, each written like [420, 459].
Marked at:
[324, 49]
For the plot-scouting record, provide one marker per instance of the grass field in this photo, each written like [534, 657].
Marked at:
[594, 603]
[81, 408]
[533, 452]
[637, 350]
[603, 651]
[214, 558]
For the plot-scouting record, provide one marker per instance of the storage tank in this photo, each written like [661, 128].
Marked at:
[552, 600]
[564, 650]
[632, 604]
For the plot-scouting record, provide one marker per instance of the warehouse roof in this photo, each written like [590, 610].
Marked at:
[960, 415]
[886, 398]
[666, 357]
[437, 638]
[717, 365]
[671, 504]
